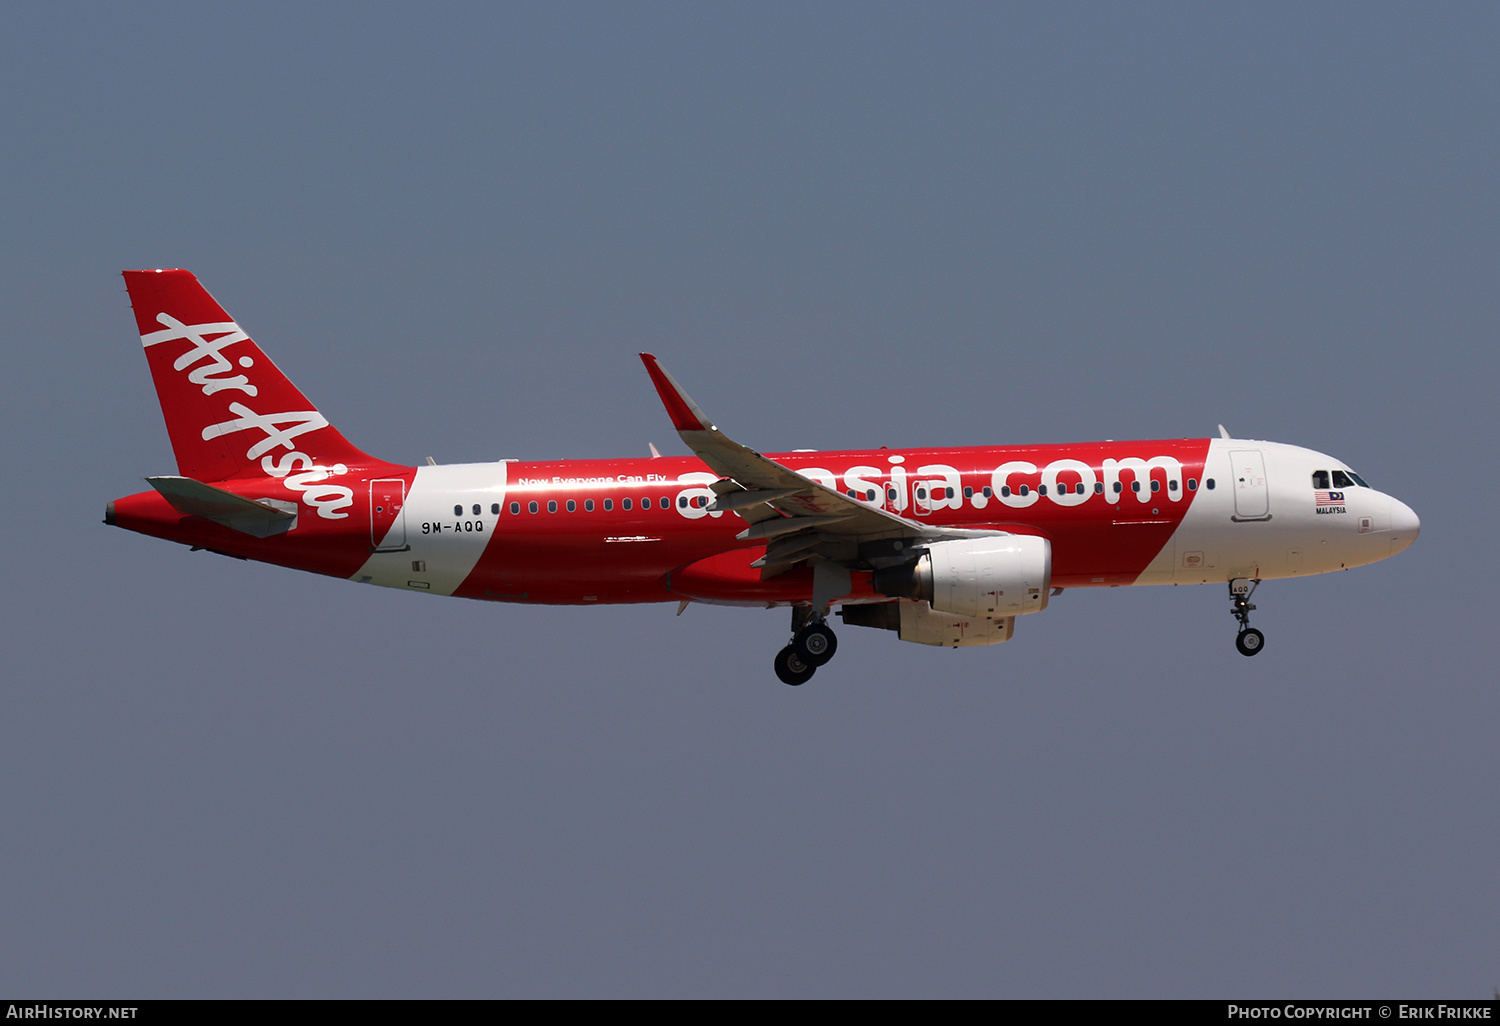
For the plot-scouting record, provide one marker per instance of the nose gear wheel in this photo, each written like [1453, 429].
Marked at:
[1249, 641]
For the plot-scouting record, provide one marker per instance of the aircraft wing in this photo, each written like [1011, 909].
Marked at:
[798, 517]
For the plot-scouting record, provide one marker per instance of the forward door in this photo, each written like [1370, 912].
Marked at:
[1252, 497]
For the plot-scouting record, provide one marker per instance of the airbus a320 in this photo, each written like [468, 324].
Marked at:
[942, 547]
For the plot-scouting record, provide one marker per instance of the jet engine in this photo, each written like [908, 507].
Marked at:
[916, 621]
[991, 577]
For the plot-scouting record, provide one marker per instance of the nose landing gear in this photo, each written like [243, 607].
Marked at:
[1249, 641]
[813, 644]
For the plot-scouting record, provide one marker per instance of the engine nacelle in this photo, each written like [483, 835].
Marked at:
[926, 627]
[992, 577]
[916, 621]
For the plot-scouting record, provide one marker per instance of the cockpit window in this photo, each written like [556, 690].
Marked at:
[1341, 480]
[1320, 479]
[1358, 480]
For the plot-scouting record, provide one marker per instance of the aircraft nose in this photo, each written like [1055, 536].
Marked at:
[1405, 526]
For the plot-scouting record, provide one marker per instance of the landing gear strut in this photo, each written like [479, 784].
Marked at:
[1249, 641]
[813, 644]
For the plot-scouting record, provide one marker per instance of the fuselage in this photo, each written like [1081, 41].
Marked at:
[941, 546]
[1178, 511]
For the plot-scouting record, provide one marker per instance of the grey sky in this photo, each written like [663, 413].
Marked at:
[838, 226]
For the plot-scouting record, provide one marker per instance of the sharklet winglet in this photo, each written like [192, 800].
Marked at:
[685, 414]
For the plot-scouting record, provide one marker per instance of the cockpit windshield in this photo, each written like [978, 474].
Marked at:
[1339, 479]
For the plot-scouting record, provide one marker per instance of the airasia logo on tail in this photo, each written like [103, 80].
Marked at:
[196, 335]
[211, 370]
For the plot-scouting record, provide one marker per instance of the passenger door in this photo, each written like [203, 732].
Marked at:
[1252, 498]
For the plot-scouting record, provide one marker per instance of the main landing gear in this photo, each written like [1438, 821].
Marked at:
[1249, 640]
[791, 668]
[813, 644]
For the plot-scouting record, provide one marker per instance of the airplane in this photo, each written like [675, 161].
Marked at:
[943, 547]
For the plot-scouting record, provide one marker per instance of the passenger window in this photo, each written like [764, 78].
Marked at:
[1320, 479]
[1171, 486]
[1135, 486]
[1209, 484]
[609, 504]
[1192, 484]
[572, 506]
[551, 505]
[625, 504]
[515, 508]
[890, 493]
[950, 493]
[682, 500]
[494, 509]
[968, 493]
[458, 511]
[1098, 487]
[666, 503]
[1005, 491]
[588, 505]
[1041, 489]
[988, 494]
[1119, 488]
[1155, 485]
[921, 493]
[1341, 480]
[1025, 489]
[531, 506]
[477, 508]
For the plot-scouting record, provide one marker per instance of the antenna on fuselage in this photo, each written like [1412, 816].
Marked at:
[654, 454]
[1223, 431]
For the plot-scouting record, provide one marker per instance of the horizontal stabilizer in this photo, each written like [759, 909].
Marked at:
[248, 516]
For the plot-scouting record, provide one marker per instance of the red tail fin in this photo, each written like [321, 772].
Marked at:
[229, 410]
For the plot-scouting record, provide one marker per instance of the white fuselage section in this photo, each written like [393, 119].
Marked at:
[1263, 520]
